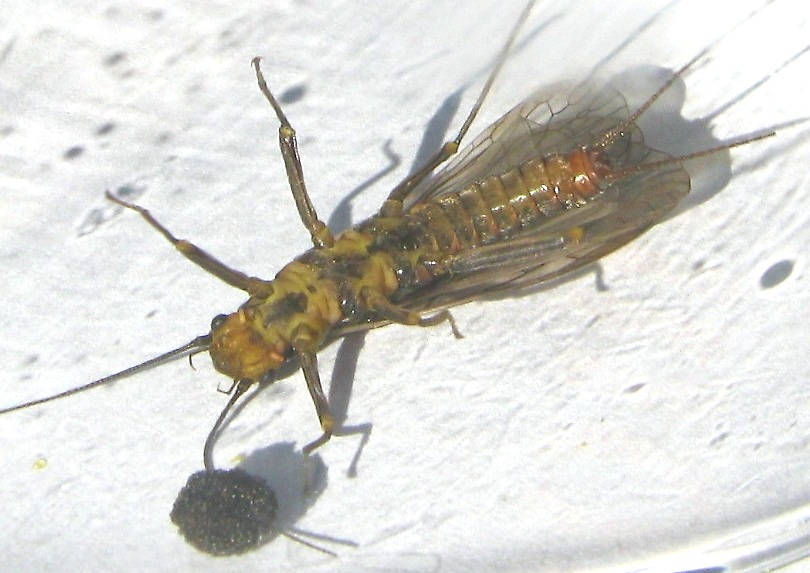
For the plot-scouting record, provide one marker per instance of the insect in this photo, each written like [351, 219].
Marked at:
[547, 189]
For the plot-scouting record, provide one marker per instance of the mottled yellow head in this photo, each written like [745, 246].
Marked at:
[239, 350]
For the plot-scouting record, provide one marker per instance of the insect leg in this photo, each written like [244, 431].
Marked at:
[393, 205]
[309, 364]
[305, 342]
[252, 285]
[385, 309]
[321, 235]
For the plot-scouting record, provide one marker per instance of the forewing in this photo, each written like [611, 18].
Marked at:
[540, 125]
[581, 235]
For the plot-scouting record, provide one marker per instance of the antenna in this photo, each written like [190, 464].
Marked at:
[199, 344]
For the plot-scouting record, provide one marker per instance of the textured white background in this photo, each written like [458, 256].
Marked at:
[520, 446]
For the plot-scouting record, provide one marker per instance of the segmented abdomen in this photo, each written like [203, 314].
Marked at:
[499, 206]
[490, 210]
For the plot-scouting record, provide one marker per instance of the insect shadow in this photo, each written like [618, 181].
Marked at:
[345, 365]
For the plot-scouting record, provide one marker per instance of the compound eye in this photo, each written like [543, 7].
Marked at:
[217, 321]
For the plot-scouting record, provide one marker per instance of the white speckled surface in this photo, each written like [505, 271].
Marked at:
[521, 447]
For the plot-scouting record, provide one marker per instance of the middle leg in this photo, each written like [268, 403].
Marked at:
[393, 205]
[387, 310]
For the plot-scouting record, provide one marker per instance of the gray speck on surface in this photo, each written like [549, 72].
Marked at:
[73, 152]
[115, 58]
[776, 273]
[105, 128]
[293, 94]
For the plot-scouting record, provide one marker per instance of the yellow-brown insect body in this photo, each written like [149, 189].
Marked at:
[394, 257]
[499, 206]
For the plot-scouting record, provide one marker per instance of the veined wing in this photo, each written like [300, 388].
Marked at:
[626, 208]
[540, 125]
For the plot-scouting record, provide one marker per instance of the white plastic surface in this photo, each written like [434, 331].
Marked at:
[652, 425]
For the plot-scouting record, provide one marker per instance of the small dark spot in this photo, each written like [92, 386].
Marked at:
[230, 37]
[776, 273]
[349, 265]
[697, 265]
[163, 138]
[6, 130]
[30, 359]
[151, 313]
[293, 94]
[92, 221]
[347, 298]
[288, 305]
[154, 15]
[98, 216]
[405, 273]
[129, 192]
[73, 152]
[634, 388]
[105, 128]
[218, 321]
[403, 237]
[115, 58]
[4, 54]
[599, 278]
[719, 438]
